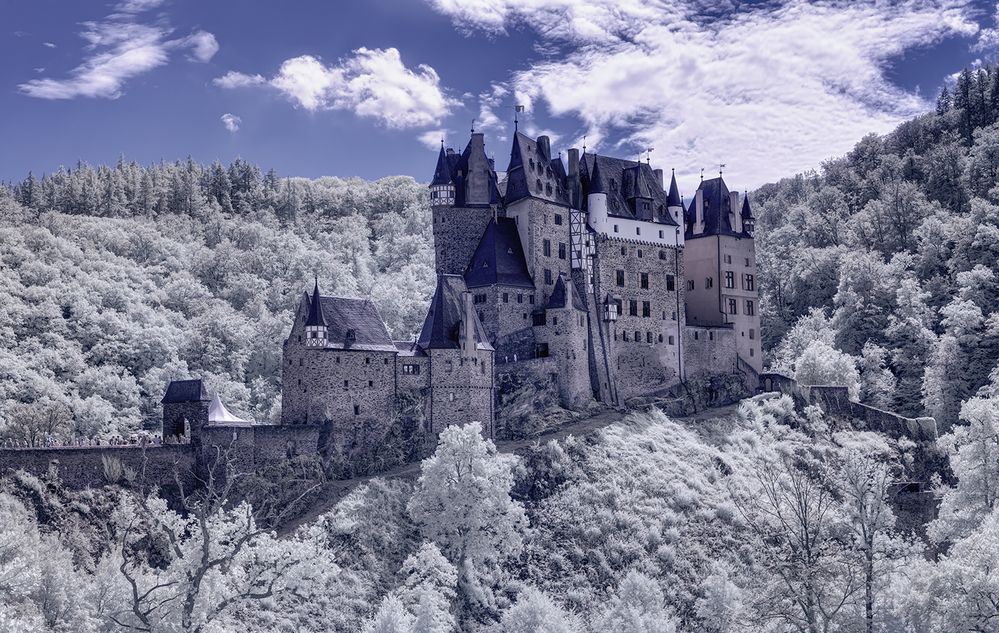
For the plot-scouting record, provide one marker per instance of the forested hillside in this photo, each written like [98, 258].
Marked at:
[890, 255]
[115, 280]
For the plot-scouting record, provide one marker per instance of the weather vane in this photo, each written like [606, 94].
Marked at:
[517, 108]
[648, 155]
[720, 168]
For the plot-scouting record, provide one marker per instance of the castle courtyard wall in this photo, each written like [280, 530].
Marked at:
[83, 467]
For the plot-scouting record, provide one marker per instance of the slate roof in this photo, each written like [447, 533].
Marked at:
[354, 323]
[534, 174]
[316, 316]
[673, 199]
[453, 168]
[557, 298]
[499, 258]
[186, 391]
[441, 328]
[717, 205]
[746, 211]
[624, 181]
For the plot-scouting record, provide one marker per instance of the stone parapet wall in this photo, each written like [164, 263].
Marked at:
[835, 400]
[84, 467]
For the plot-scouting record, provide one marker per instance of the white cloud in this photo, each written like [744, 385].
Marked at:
[119, 48]
[372, 83]
[233, 79]
[770, 90]
[48, 44]
[432, 138]
[988, 39]
[231, 121]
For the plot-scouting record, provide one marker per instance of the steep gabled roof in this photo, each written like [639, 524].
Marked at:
[563, 287]
[533, 174]
[186, 391]
[442, 327]
[717, 206]
[623, 181]
[746, 211]
[499, 258]
[354, 323]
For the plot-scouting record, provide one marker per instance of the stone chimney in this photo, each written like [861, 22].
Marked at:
[477, 179]
[574, 185]
[699, 216]
[545, 147]
[659, 177]
[734, 211]
[467, 323]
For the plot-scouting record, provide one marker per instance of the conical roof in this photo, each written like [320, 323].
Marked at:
[218, 414]
[442, 174]
[316, 316]
[596, 183]
[673, 198]
[746, 211]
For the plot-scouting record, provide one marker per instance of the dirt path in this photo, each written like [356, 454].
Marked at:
[334, 491]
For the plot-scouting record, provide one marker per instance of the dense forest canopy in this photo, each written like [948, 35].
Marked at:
[889, 256]
[118, 279]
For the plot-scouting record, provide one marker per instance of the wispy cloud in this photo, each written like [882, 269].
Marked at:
[372, 83]
[231, 122]
[48, 44]
[432, 138]
[769, 88]
[121, 47]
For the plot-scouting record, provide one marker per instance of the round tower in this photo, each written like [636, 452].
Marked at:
[596, 199]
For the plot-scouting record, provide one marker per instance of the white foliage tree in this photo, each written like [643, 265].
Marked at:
[638, 606]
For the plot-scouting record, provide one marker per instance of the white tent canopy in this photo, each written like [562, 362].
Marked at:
[218, 414]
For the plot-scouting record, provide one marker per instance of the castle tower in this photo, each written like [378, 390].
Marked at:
[721, 267]
[674, 204]
[463, 198]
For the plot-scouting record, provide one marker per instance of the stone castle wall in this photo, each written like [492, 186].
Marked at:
[84, 467]
[536, 224]
[709, 350]
[652, 315]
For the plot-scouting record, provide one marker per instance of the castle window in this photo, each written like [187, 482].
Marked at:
[548, 276]
[643, 280]
[357, 409]
[751, 350]
[729, 279]
[733, 306]
[620, 277]
[561, 250]
[633, 307]
[750, 308]
[290, 361]
[448, 366]
[506, 297]
[525, 316]
[660, 237]
[385, 362]
[671, 340]
[546, 248]
[662, 254]
[711, 336]
[646, 309]
[531, 162]
[638, 230]
[371, 383]
[337, 360]
[367, 361]
[558, 219]
[483, 368]
[696, 337]
[615, 228]
[747, 261]
[670, 283]
[660, 338]
[690, 284]
[638, 336]
[554, 320]
[624, 251]
[728, 259]
[346, 384]
[299, 362]
[624, 337]
[411, 369]
[537, 185]
[752, 333]
[450, 396]
[674, 315]
[640, 253]
[530, 299]
[648, 337]
[299, 338]
[748, 282]
[540, 318]
[520, 297]
[709, 282]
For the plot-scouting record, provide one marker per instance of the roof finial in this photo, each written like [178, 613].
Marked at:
[720, 168]
[648, 155]
[702, 174]
[442, 142]
[584, 143]
[517, 108]
[473, 126]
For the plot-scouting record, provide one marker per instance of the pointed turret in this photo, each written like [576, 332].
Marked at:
[673, 198]
[442, 187]
[596, 182]
[748, 221]
[596, 199]
[315, 324]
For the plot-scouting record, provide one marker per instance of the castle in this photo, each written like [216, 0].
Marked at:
[594, 268]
